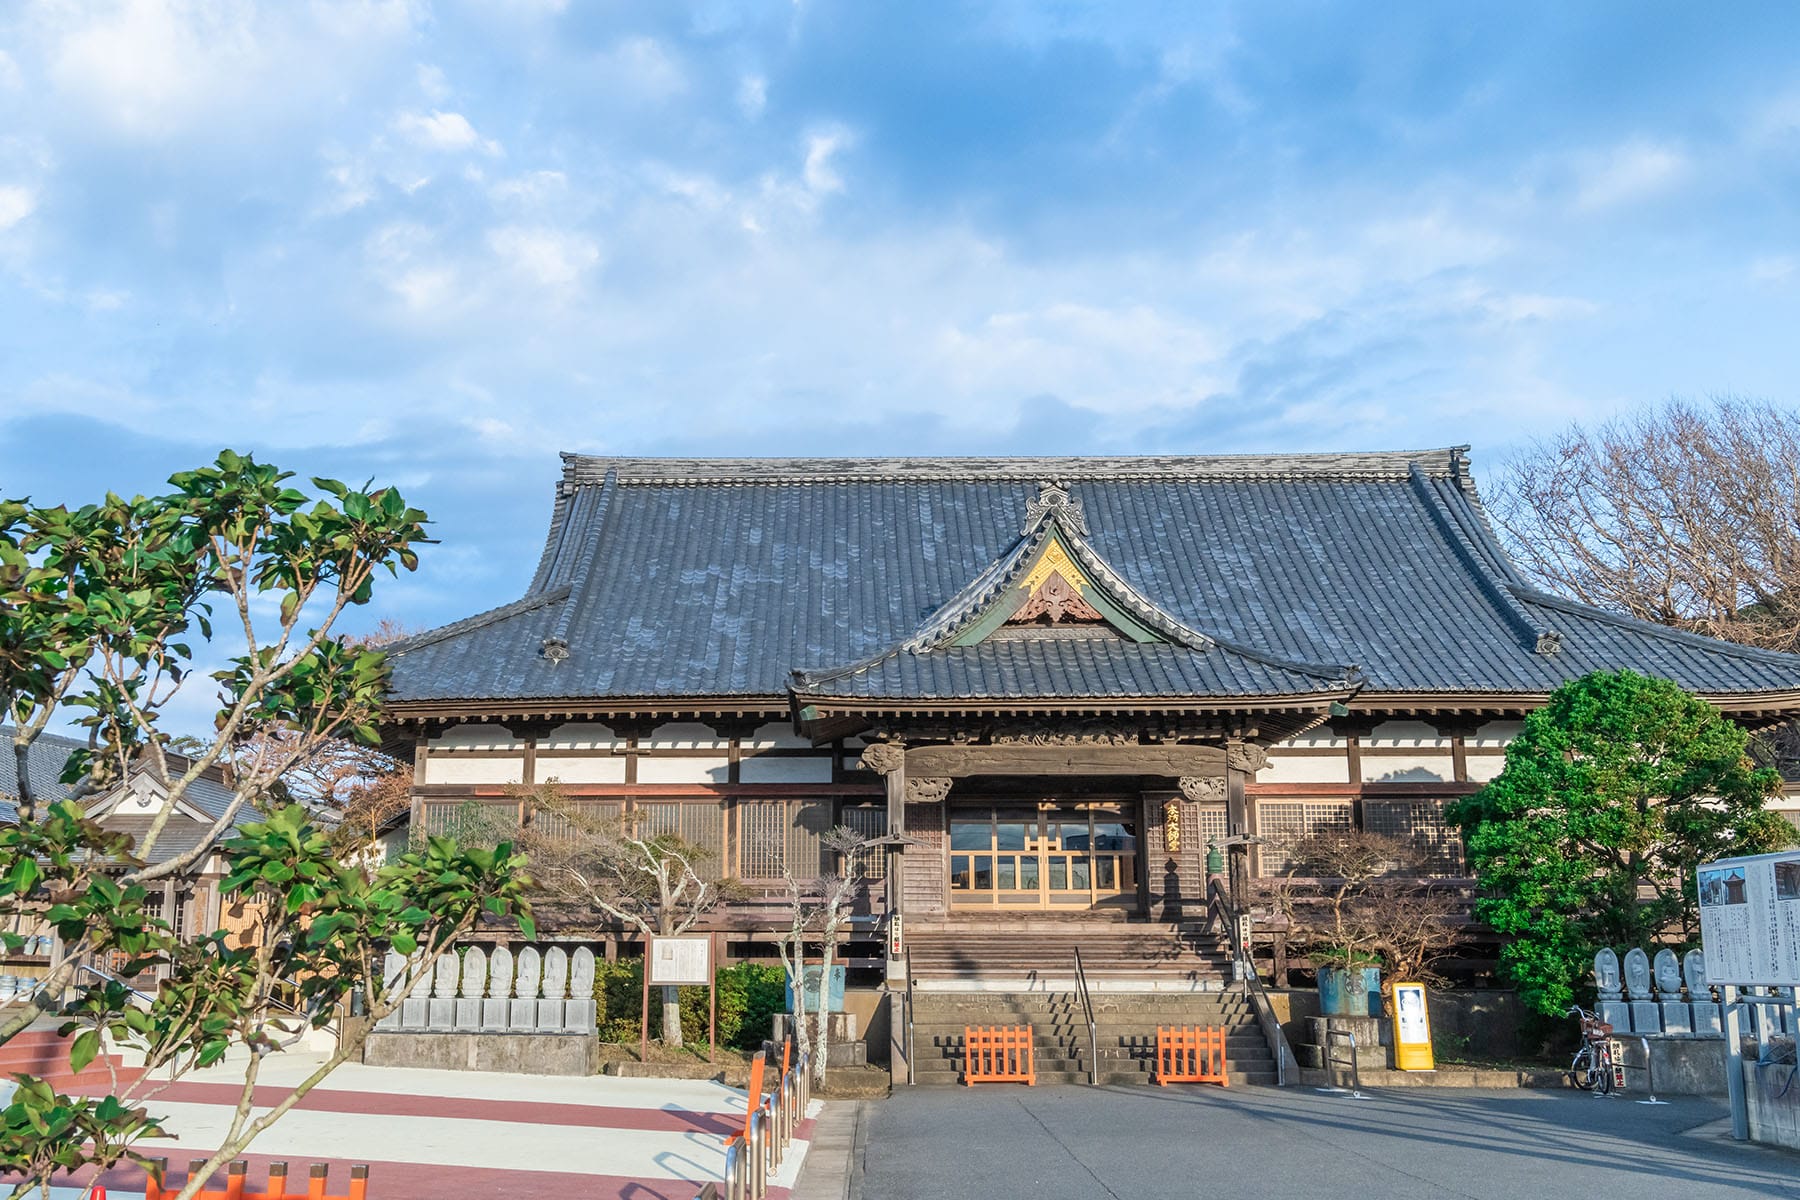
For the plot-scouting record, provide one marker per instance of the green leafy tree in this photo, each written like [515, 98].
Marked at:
[1613, 793]
[100, 607]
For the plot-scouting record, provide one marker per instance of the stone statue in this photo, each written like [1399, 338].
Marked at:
[494, 1009]
[1606, 974]
[556, 991]
[392, 968]
[443, 991]
[1708, 1017]
[1676, 1016]
[474, 983]
[525, 990]
[582, 1012]
[1645, 1016]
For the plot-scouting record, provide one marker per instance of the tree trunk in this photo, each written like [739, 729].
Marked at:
[671, 1033]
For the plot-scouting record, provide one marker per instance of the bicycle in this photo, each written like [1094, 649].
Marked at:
[1594, 1069]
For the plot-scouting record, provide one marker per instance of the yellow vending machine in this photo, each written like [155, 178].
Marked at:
[1412, 1029]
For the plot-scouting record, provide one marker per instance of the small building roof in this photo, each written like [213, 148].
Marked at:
[670, 580]
[44, 759]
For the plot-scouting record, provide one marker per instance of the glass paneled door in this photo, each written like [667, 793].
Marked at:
[1050, 856]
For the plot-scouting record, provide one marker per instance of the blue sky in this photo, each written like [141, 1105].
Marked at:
[437, 243]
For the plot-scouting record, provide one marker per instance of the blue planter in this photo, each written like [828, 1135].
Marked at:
[1350, 992]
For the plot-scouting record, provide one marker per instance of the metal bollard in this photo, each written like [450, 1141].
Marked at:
[734, 1172]
[1649, 1079]
[757, 1169]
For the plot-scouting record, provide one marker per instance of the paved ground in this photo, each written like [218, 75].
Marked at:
[428, 1135]
[1072, 1143]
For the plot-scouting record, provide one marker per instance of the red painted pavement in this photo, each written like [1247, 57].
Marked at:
[401, 1104]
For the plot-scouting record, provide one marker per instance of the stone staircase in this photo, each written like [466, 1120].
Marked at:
[1030, 956]
[1127, 1024]
[41, 1052]
[1140, 977]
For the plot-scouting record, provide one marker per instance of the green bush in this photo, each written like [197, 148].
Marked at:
[750, 994]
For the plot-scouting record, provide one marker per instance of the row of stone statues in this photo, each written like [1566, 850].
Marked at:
[1646, 995]
[479, 992]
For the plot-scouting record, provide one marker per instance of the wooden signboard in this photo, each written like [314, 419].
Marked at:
[684, 961]
[1412, 1029]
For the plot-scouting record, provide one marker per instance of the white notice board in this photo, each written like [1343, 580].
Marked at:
[1750, 920]
[680, 960]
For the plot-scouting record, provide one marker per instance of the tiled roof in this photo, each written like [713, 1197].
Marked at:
[666, 579]
[44, 759]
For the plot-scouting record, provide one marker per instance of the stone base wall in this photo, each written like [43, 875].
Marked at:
[1773, 1097]
[523, 1053]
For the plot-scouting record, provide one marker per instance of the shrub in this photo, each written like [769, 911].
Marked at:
[749, 995]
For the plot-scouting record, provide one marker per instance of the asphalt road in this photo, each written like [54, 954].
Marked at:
[1073, 1143]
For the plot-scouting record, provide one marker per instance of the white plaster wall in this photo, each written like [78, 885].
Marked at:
[1495, 733]
[1315, 739]
[495, 769]
[683, 770]
[683, 735]
[812, 769]
[1483, 767]
[474, 737]
[1407, 768]
[1304, 768]
[580, 735]
[777, 735]
[1404, 733]
[580, 769]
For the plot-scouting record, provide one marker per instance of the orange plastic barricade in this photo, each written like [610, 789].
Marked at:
[750, 1106]
[1190, 1055]
[237, 1179]
[998, 1054]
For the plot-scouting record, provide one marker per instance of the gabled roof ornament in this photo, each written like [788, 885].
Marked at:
[554, 650]
[1053, 499]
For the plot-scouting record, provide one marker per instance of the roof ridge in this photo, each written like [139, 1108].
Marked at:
[1540, 638]
[523, 604]
[1449, 462]
[1534, 595]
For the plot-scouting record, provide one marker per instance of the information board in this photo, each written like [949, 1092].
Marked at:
[680, 961]
[1750, 920]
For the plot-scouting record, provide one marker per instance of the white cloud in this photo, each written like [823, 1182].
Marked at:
[553, 258]
[752, 95]
[1774, 268]
[432, 83]
[10, 79]
[821, 147]
[16, 203]
[642, 69]
[440, 130]
[1632, 171]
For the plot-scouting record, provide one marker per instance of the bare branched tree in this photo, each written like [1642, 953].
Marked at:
[1687, 515]
[817, 912]
[1351, 897]
[655, 883]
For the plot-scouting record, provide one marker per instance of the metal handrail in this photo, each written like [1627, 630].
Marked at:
[1087, 1004]
[911, 1072]
[109, 977]
[1254, 992]
[1332, 1061]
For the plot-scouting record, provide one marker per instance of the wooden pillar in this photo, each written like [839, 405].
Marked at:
[1237, 824]
[888, 759]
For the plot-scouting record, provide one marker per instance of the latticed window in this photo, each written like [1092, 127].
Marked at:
[582, 814]
[780, 838]
[1210, 824]
[1284, 823]
[1422, 823]
[869, 821]
[702, 825]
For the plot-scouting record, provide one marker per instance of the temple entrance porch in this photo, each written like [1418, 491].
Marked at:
[1055, 856]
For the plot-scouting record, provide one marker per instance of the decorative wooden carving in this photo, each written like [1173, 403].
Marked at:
[1064, 733]
[1241, 756]
[1056, 602]
[1203, 789]
[1054, 498]
[926, 790]
[883, 758]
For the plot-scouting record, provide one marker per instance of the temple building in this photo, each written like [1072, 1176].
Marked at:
[1043, 686]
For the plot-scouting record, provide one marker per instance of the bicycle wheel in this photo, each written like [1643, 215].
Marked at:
[1581, 1072]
